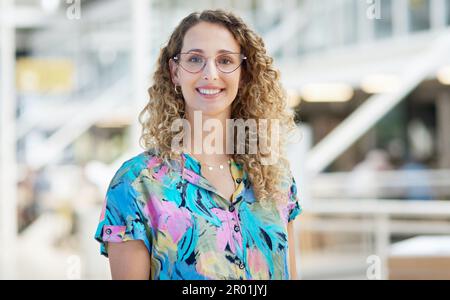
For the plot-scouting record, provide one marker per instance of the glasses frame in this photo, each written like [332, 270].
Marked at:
[176, 58]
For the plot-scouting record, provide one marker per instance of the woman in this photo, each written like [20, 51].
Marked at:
[180, 213]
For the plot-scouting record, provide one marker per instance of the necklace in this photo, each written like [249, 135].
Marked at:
[210, 167]
[214, 167]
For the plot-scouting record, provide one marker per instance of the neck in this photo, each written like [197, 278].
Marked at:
[208, 135]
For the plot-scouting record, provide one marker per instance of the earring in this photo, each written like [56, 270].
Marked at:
[176, 91]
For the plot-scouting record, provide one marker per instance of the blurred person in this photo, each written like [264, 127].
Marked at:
[184, 214]
[418, 182]
[396, 150]
[421, 149]
[33, 188]
[26, 204]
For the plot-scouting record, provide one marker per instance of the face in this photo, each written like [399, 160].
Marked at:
[209, 40]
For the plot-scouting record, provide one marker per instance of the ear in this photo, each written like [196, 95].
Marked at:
[174, 72]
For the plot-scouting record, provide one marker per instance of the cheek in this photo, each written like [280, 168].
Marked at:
[189, 81]
[233, 84]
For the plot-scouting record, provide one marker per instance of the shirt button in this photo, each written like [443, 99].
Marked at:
[241, 266]
[108, 231]
[236, 228]
[231, 209]
[239, 180]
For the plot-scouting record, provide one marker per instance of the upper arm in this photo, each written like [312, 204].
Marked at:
[291, 241]
[124, 230]
[129, 260]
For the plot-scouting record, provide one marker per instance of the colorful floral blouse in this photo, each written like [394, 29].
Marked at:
[190, 230]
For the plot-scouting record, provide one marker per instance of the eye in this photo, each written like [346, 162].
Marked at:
[225, 60]
[195, 59]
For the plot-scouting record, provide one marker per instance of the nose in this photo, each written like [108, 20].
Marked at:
[210, 69]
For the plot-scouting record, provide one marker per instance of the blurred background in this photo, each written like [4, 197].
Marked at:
[369, 82]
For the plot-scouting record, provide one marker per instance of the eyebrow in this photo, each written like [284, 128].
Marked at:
[201, 51]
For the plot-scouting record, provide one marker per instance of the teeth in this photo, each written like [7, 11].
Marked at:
[209, 92]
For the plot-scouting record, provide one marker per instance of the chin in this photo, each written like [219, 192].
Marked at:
[212, 109]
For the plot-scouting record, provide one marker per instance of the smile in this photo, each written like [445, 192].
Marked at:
[209, 91]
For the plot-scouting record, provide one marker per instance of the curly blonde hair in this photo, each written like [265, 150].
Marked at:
[260, 97]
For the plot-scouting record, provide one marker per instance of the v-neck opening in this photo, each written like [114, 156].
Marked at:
[205, 183]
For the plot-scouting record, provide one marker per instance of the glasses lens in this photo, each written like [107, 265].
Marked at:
[192, 62]
[226, 63]
[229, 62]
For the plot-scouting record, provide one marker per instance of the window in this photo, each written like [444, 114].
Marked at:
[383, 26]
[419, 15]
[349, 22]
[447, 6]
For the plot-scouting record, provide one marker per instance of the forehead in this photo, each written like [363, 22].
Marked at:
[210, 38]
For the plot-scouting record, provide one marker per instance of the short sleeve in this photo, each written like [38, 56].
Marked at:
[121, 217]
[294, 208]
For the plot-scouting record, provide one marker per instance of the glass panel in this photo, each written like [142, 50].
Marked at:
[318, 33]
[447, 4]
[350, 22]
[419, 15]
[383, 26]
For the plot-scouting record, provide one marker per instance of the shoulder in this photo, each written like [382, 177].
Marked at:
[145, 168]
[137, 166]
[129, 183]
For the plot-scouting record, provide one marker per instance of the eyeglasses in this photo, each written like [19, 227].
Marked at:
[194, 62]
